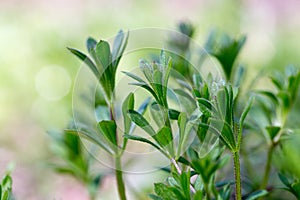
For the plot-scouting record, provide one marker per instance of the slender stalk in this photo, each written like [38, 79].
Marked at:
[237, 175]
[173, 161]
[268, 167]
[206, 188]
[118, 165]
[119, 178]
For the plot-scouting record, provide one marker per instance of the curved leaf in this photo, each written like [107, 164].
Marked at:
[86, 60]
[139, 120]
[141, 139]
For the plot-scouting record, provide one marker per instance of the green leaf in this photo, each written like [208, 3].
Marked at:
[157, 85]
[147, 69]
[91, 44]
[227, 52]
[273, 131]
[222, 101]
[270, 95]
[229, 105]
[284, 179]
[72, 142]
[5, 195]
[227, 134]
[277, 80]
[184, 129]
[157, 113]
[239, 75]
[296, 188]
[183, 161]
[134, 77]
[139, 120]
[109, 129]
[117, 45]
[185, 183]
[198, 195]
[86, 60]
[164, 191]
[197, 80]
[245, 111]
[257, 194]
[174, 114]
[141, 139]
[186, 101]
[182, 120]
[7, 182]
[207, 104]
[155, 197]
[92, 138]
[224, 183]
[128, 104]
[102, 51]
[164, 138]
[121, 47]
[285, 98]
[144, 105]
[192, 154]
[167, 72]
[148, 88]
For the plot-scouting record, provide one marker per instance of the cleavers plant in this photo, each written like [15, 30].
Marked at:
[211, 108]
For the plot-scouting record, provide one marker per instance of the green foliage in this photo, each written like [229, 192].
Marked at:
[292, 185]
[257, 194]
[76, 161]
[208, 123]
[105, 61]
[177, 187]
[157, 75]
[222, 118]
[279, 103]
[179, 44]
[226, 50]
[6, 188]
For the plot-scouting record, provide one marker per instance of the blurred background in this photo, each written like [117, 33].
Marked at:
[37, 72]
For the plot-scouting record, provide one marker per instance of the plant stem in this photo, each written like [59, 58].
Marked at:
[268, 167]
[237, 175]
[119, 178]
[206, 188]
[179, 171]
[118, 165]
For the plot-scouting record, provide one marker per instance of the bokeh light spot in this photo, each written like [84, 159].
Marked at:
[52, 83]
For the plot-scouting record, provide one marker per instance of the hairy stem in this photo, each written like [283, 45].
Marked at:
[119, 178]
[237, 175]
[268, 167]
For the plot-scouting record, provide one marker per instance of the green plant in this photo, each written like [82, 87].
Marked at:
[197, 122]
[76, 161]
[6, 188]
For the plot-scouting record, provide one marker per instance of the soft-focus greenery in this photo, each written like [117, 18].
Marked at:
[37, 72]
